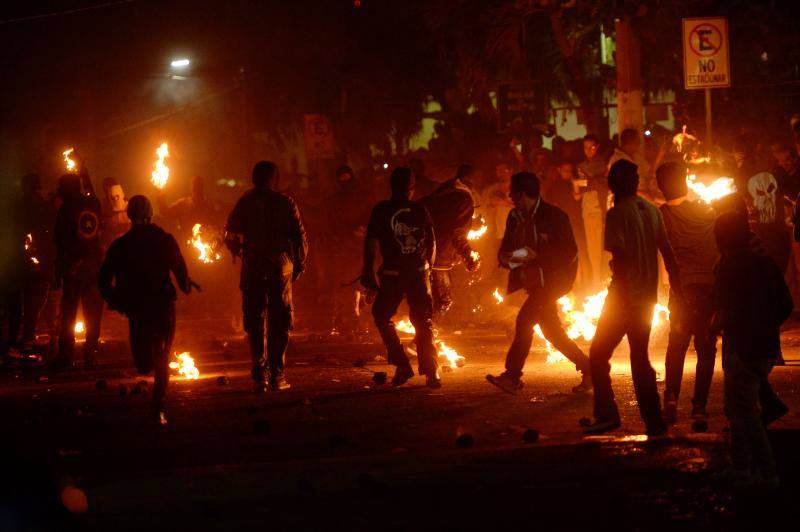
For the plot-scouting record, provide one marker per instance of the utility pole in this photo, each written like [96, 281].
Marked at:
[630, 105]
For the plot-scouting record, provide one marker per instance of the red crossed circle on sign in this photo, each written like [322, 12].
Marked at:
[713, 39]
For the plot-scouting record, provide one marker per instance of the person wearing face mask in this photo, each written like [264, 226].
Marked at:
[115, 222]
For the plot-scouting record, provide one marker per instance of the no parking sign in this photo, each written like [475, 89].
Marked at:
[706, 63]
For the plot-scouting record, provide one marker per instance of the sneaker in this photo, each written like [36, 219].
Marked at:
[699, 412]
[433, 381]
[601, 427]
[585, 385]
[670, 412]
[401, 375]
[259, 387]
[279, 383]
[771, 415]
[506, 383]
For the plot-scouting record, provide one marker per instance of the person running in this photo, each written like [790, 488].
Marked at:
[540, 251]
[135, 281]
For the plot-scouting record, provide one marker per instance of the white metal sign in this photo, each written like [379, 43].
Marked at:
[706, 61]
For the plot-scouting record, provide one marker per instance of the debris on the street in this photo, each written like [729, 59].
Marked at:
[379, 378]
[530, 436]
[465, 441]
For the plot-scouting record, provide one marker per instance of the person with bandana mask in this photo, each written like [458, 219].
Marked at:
[115, 221]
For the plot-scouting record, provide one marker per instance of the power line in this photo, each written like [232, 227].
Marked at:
[67, 12]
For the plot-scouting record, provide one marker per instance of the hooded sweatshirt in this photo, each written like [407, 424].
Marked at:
[690, 230]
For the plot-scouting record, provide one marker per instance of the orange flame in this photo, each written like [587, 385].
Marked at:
[160, 174]
[184, 364]
[207, 251]
[498, 296]
[80, 327]
[454, 359]
[70, 163]
[475, 234]
[719, 188]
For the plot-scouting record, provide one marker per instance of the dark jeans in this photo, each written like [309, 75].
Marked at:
[80, 287]
[616, 321]
[151, 335]
[690, 317]
[545, 313]
[750, 447]
[417, 291]
[272, 294]
[441, 291]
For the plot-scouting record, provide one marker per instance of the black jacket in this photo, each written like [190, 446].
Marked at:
[451, 208]
[547, 231]
[267, 226]
[134, 277]
[751, 301]
[77, 234]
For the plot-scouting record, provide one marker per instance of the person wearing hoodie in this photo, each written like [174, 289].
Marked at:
[135, 281]
[451, 207]
[402, 230]
[690, 231]
[751, 301]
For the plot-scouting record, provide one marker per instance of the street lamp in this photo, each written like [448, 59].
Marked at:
[180, 63]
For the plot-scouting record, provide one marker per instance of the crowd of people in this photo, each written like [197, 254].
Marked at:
[559, 220]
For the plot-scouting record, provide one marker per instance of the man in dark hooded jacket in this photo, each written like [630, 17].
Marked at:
[78, 258]
[135, 280]
[451, 207]
[401, 228]
[540, 250]
[265, 229]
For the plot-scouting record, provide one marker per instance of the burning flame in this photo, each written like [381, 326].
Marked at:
[682, 138]
[70, 163]
[719, 188]
[80, 328]
[160, 174]
[583, 323]
[444, 350]
[207, 251]
[404, 326]
[453, 358]
[184, 363]
[475, 234]
[497, 296]
[29, 248]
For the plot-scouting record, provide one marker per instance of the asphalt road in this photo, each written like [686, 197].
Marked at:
[340, 452]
